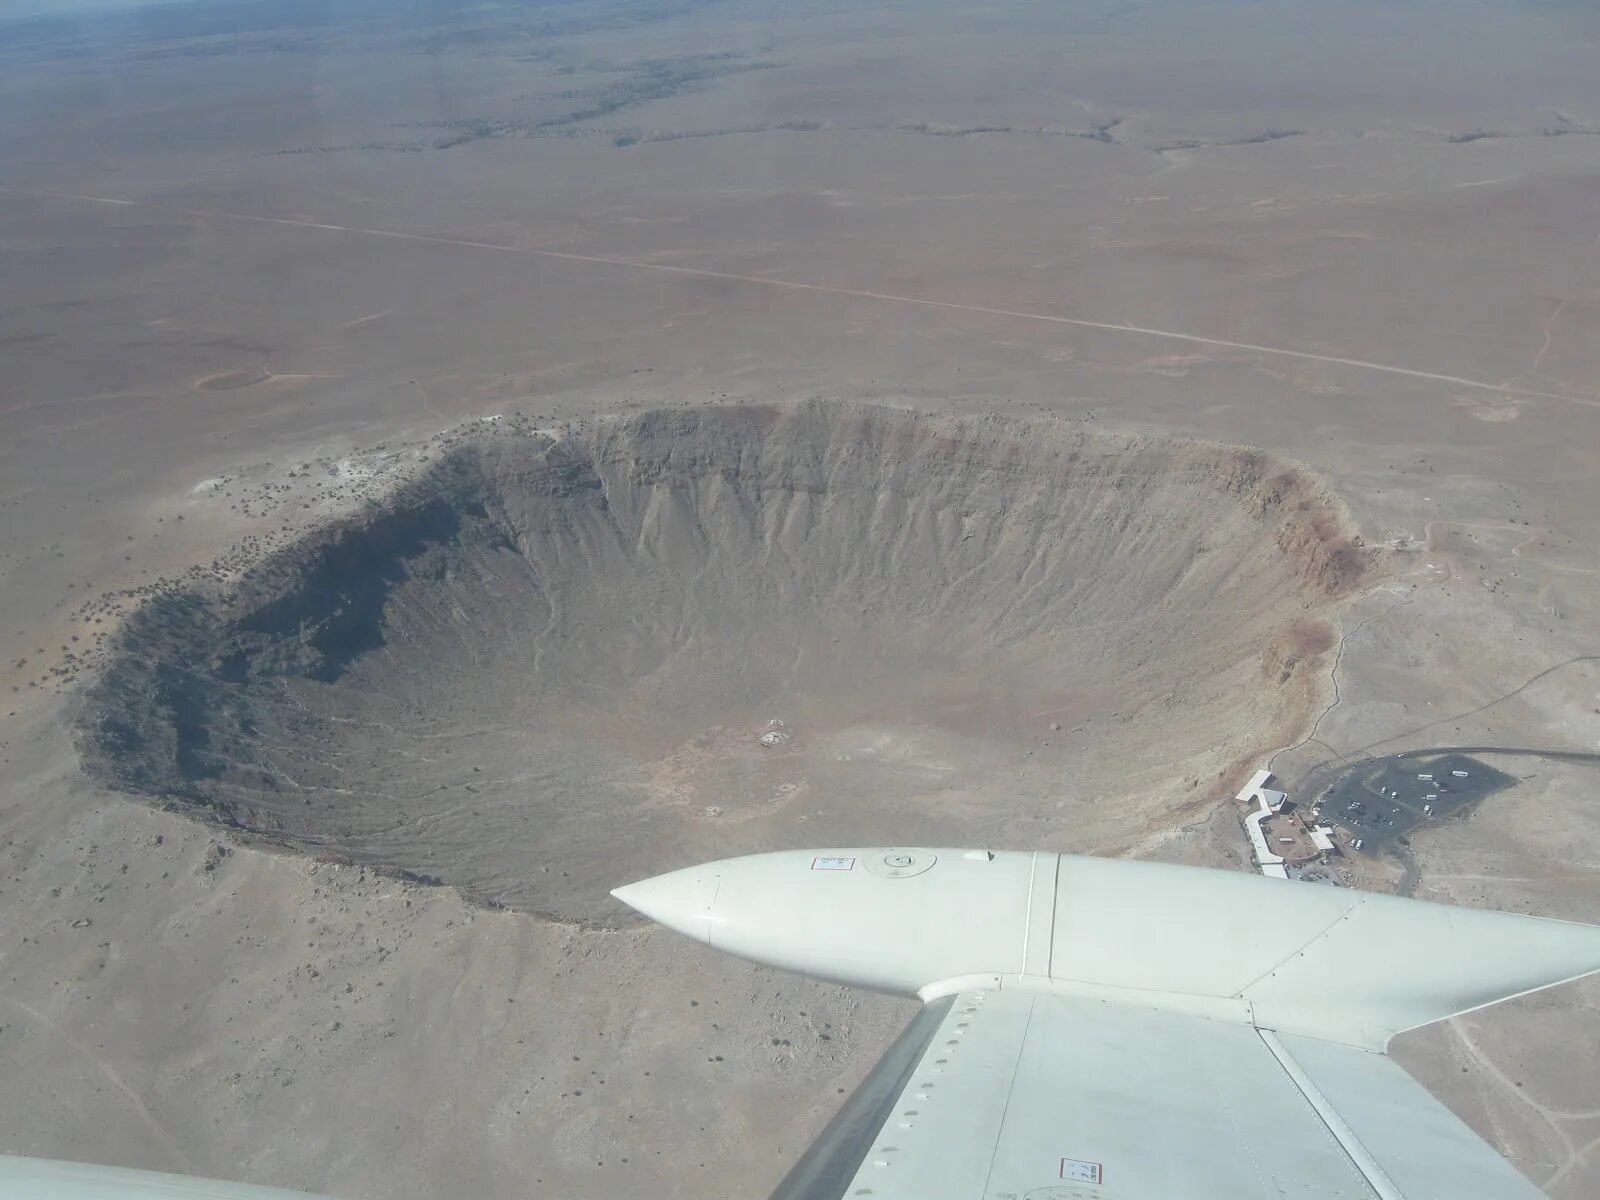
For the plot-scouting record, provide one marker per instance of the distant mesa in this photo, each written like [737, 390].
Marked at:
[550, 665]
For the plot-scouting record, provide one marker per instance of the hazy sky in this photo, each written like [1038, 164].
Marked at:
[39, 8]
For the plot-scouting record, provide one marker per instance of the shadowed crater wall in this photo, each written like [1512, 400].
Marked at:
[546, 667]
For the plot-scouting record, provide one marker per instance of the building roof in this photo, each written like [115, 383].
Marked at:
[1257, 781]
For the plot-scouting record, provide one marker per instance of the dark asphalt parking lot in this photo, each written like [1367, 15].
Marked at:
[1379, 802]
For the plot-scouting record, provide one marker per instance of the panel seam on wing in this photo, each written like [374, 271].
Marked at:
[1005, 1111]
[1355, 1150]
[1298, 950]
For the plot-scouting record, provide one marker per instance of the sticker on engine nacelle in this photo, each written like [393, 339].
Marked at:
[1079, 1171]
[829, 862]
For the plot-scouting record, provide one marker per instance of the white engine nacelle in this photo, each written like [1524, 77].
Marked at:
[1301, 958]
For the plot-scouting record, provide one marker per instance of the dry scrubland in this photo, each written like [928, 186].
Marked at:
[1212, 382]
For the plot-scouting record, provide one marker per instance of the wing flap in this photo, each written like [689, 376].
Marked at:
[1009, 1093]
[1423, 1148]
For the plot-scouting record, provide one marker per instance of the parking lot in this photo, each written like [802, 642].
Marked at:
[1380, 802]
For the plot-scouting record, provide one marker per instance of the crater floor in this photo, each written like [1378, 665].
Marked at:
[550, 665]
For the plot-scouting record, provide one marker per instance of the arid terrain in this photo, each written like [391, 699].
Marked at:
[440, 443]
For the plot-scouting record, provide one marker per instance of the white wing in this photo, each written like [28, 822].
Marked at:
[48, 1179]
[1006, 1095]
[1107, 1030]
[1096, 1030]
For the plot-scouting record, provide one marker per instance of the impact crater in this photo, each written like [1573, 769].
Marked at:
[551, 664]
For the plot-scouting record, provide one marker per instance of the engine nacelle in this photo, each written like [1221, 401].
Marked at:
[890, 919]
[1301, 958]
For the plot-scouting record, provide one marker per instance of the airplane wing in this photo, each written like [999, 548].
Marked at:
[1111, 1030]
[1011, 1094]
[1093, 1029]
[24, 1178]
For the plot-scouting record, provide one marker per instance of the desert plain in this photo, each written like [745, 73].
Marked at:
[440, 442]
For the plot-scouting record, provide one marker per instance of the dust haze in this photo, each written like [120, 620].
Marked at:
[442, 443]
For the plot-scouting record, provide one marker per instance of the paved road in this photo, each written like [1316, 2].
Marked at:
[1408, 878]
